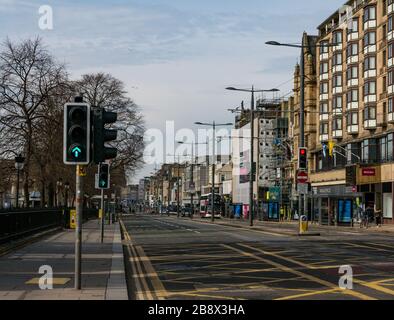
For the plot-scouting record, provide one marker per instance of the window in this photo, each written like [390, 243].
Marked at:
[337, 124]
[337, 102]
[383, 149]
[352, 119]
[352, 73]
[369, 13]
[337, 37]
[390, 50]
[370, 63]
[370, 88]
[352, 151]
[352, 50]
[324, 107]
[353, 26]
[370, 39]
[390, 24]
[391, 105]
[323, 67]
[324, 128]
[337, 59]
[369, 113]
[323, 87]
[323, 47]
[337, 81]
[390, 149]
[390, 75]
[370, 150]
[352, 96]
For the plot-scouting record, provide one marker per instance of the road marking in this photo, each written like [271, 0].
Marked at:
[55, 281]
[374, 285]
[308, 294]
[368, 247]
[299, 273]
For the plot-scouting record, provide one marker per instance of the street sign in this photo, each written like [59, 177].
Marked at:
[302, 188]
[302, 177]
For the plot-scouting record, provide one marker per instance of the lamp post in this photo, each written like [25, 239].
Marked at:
[213, 125]
[194, 147]
[19, 164]
[252, 167]
[302, 94]
[59, 185]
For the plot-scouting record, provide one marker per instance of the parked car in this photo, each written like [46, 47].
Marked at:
[186, 210]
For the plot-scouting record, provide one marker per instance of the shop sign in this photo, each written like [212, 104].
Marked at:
[368, 172]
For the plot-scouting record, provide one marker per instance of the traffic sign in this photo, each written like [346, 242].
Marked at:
[302, 177]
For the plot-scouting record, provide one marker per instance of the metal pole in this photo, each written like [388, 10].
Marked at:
[102, 215]
[192, 180]
[302, 119]
[17, 190]
[213, 172]
[251, 175]
[78, 229]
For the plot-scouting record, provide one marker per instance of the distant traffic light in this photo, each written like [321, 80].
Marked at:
[103, 176]
[302, 158]
[102, 135]
[76, 136]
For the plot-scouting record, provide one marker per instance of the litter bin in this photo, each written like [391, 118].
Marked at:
[303, 224]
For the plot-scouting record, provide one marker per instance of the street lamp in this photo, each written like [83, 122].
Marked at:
[59, 185]
[194, 145]
[302, 89]
[213, 125]
[19, 164]
[251, 175]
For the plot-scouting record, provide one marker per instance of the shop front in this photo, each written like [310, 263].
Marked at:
[335, 204]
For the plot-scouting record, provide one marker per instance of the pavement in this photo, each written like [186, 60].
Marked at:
[182, 258]
[103, 273]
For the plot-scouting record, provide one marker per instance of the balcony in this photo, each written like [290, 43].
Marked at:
[390, 62]
[337, 111]
[369, 74]
[338, 47]
[370, 49]
[352, 106]
[337, 134]
[390, 117]
[390, 89]
[337, 90]
[390, 35]
[370, 98]
[352, 83]
[370, 124]
[369, 24]
[352, 129]
[352, 59]
[390, 8]
[352, 36]
[323, 137]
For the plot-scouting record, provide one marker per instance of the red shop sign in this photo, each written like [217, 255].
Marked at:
[369, 172]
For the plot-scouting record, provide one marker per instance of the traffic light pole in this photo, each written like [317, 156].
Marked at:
[78, 229]
[102, 215]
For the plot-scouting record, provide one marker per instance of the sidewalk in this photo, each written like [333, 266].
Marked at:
[103, 275]
[291, 227]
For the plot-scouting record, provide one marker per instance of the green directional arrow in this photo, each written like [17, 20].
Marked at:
[76, 151]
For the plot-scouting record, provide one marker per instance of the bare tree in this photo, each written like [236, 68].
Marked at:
[104, 91]
[28, 77]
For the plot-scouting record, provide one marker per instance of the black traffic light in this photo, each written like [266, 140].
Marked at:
[76, 136]
[103, 176]
[302, 158]
[102, 135]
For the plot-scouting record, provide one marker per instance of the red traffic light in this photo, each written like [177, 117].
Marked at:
[302, 152]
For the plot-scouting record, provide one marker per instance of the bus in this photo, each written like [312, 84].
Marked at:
[206, 207]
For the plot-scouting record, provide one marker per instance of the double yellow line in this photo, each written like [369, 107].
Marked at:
[140, 262]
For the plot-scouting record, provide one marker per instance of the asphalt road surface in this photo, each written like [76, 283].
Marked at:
[180, 258]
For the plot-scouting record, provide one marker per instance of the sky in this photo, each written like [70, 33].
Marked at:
[176, 57]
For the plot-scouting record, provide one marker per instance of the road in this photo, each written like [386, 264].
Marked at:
[180, 258]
